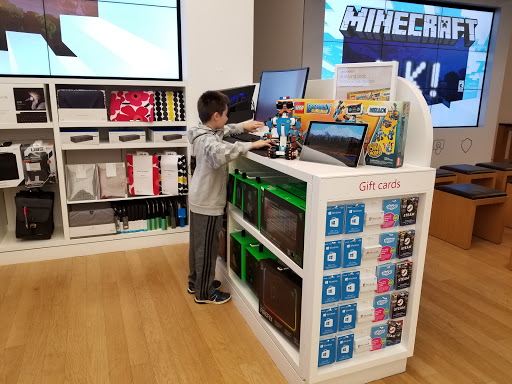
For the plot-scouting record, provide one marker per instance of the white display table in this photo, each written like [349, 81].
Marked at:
[331, 185]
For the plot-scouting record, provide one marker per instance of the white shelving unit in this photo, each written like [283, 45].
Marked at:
[330, 185]
[13, 250]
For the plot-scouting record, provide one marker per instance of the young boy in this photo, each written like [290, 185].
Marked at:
[207, 194]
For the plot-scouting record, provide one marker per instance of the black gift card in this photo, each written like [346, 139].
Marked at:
[408, 210]
[405, 243]
[399, 304]
[403, 274]
[394, 332]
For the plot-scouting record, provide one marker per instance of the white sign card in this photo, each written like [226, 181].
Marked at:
[365, 81]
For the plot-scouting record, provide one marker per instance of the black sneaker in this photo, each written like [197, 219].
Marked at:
[218, 297]
[191, 289]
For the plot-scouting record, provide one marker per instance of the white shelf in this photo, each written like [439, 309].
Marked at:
[26, 126]
[238, 216]
[120, 236]
[290, 350]
[120, 124]
[120, 199]
[9, 242]
[128, 145]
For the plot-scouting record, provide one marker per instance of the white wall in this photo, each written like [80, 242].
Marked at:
[505, 114]
[217, 47]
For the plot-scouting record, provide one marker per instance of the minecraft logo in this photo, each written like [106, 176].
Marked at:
[376, 24]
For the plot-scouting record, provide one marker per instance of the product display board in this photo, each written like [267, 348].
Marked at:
[113, 152]
[347, 309]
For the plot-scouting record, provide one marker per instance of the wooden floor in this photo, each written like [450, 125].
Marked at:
[126, 318]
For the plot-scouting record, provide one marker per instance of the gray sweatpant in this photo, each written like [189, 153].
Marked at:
[203, 250]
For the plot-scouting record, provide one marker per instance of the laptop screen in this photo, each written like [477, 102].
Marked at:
[340, 140]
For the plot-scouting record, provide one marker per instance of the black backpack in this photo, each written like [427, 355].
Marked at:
[34, 215]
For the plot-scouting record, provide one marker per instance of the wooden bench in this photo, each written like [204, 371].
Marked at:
[445, 177]
[508, 205]
[503, 173]
[467, 173]
[461, 210]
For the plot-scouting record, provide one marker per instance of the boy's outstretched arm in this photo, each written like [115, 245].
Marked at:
[218, 154]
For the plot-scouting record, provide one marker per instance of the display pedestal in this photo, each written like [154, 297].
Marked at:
[327, 186]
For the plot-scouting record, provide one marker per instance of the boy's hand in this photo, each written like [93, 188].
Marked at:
[252, 126]
[262, 143]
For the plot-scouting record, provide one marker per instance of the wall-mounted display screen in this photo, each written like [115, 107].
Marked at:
[91, 38]
[442, 50]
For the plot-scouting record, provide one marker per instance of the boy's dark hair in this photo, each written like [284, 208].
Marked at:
[211, 102]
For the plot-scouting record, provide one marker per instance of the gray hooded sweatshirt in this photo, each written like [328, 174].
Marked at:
[207, 194]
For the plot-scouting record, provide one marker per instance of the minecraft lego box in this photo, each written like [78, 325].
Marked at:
[384, 144]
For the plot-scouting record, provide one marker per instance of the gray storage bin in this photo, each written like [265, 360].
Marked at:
[85, 217]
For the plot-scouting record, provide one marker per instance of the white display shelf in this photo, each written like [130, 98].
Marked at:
[26, 126]
[107, 145]
[9, 242]
[336, 185]
[119, 199]
[131, 235]
[121, 124]
[237, 215]
[290, 351]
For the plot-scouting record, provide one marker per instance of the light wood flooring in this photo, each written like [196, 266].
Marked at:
[126, 318]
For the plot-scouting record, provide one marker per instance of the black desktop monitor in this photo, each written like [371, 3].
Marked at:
[276, 84]
[240, 103]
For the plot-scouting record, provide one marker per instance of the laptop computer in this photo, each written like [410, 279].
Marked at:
[334, 142]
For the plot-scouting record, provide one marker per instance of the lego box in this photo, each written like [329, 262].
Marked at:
[387, 124]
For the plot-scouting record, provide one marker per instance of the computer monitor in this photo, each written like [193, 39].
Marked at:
[240, 103]
[333, 142]
[276, 84]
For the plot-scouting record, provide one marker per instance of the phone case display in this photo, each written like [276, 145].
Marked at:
[143, 174]
[403, 275]
[143, 215]
[281, 298]
[39, 164]
[81, 105]
[335, 220]
[405, 243]
[169, 106]
[81, 182]
[399, 302]
[394, 332]
[239, 241]
[329, 321]
[408, 210]
[387, 124]
[131, 105]
[332, 255]
[112, 178]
